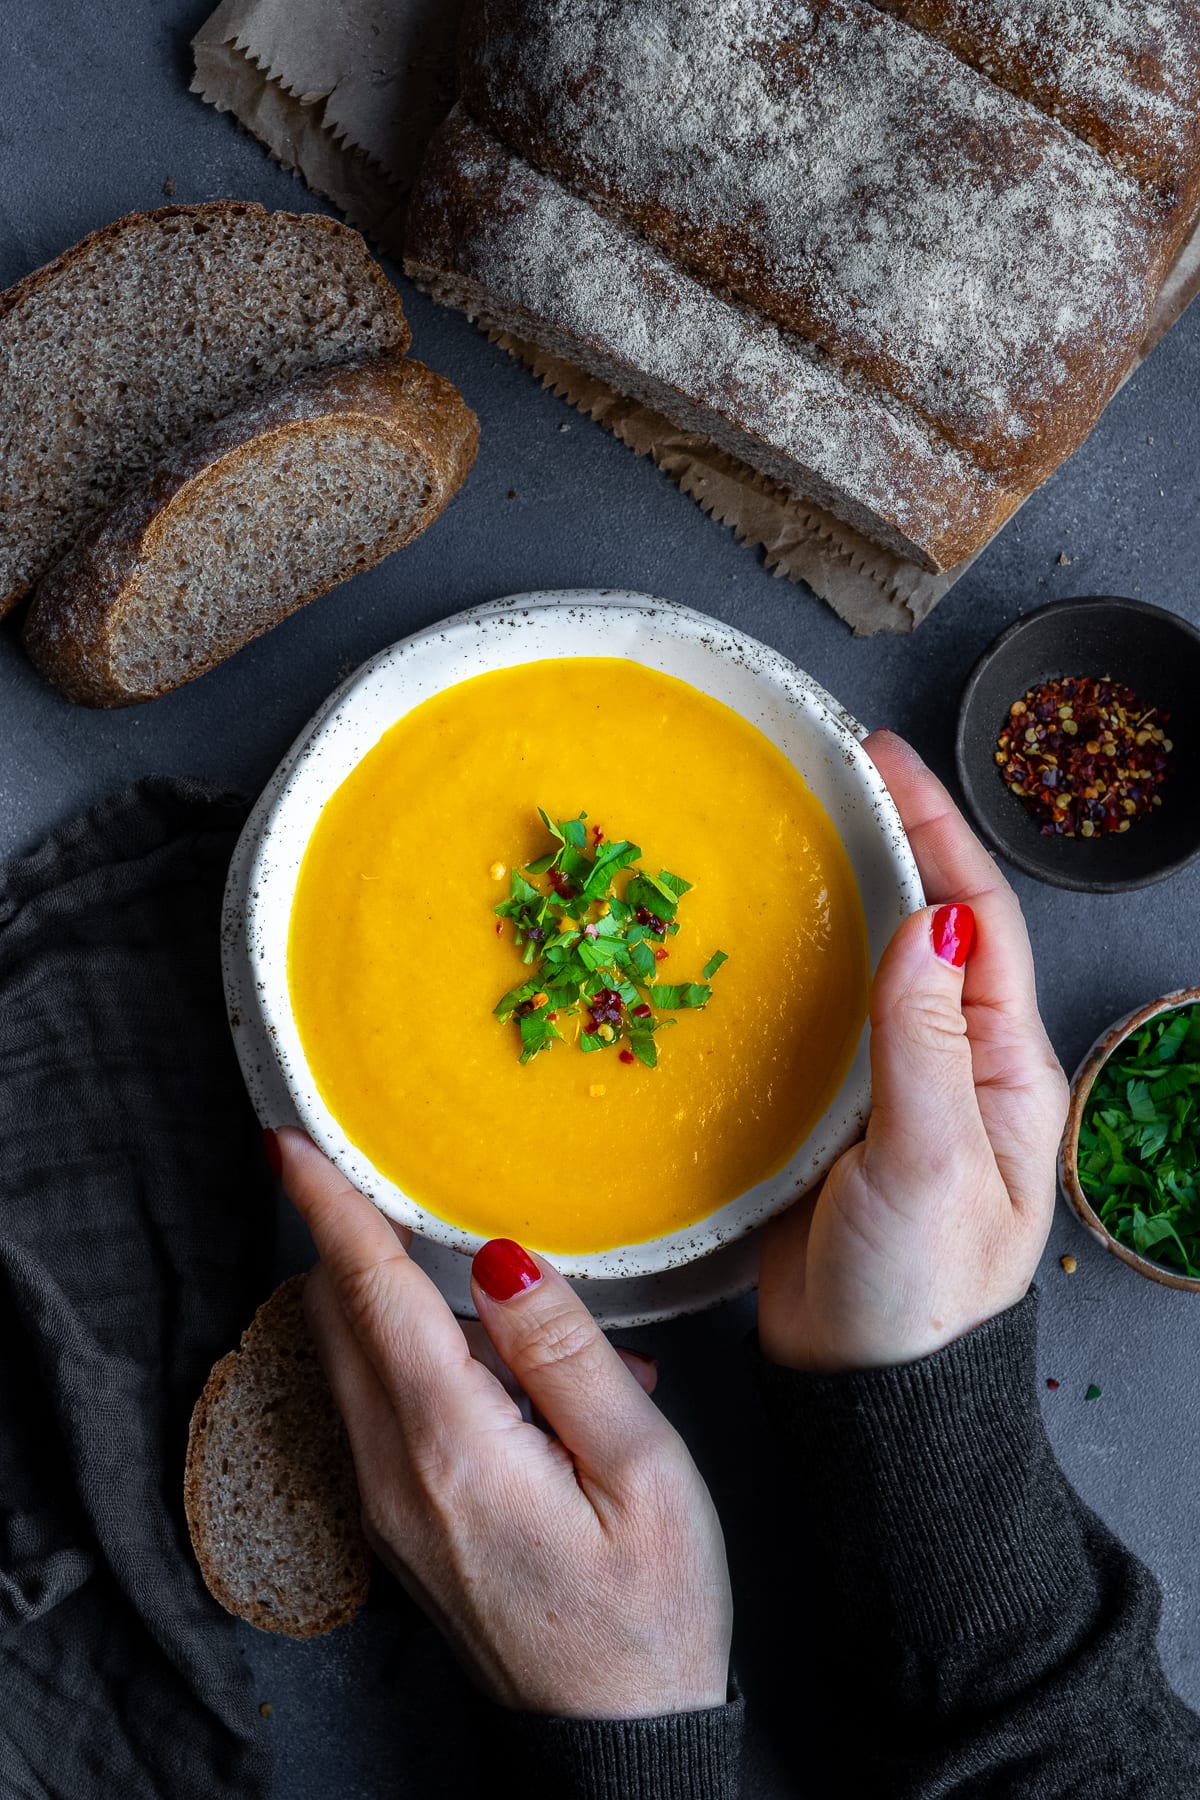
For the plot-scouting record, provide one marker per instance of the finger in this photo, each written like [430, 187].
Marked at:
[1020, 1086]
[403, 1325]
[787, 1235]
[358, 1393]
[954, 866]
[951, 858]
[574, 1377]
[644, 1369]
[921, 1067]
[377, 1442]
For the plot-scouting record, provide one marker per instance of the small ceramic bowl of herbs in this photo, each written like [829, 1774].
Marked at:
[1078, 746]
[1130, 1157]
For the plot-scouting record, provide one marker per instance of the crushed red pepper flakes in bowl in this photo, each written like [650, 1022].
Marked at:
[1084, 756]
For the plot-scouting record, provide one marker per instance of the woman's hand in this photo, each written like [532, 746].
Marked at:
[936, 1220]
[581, 1575]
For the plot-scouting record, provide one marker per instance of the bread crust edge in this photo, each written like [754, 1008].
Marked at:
[223, 1372]
[30, 284]
[66, 628]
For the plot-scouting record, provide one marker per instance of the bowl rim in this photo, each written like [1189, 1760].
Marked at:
[1082, 1082]
[843, 1120]
[1005, 847]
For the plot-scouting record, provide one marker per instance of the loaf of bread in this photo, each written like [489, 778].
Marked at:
[513, 248]
[152, 328]
[240, 527]
[875, 232]
[269, 1488]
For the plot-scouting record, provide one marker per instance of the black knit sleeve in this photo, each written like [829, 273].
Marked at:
[995, 1635]
[687, 1756]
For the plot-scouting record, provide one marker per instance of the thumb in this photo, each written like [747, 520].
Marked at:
[547, 1337]
[920, 1058]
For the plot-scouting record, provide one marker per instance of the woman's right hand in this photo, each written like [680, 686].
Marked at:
[581, 1574]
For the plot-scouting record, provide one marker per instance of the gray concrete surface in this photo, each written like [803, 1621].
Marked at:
[94, 117]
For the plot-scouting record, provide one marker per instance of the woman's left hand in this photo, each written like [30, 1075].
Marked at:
[935, 1221]
[581, 1574]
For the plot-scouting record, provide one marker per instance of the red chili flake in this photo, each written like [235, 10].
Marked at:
[627, 1056]
[661, 955]
[552, 1016]
[597, 835]
[562, 887]
[499, 926]
[643, 916]
[605, 1008]
[1052, 1384]
[1084, 756]
[641, 1012]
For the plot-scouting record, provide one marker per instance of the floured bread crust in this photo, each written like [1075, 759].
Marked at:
[515, 249]
[1122, 75]
[851, 179]
[968, 260]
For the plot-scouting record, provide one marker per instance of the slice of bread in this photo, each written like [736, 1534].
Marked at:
[269, 1489]
[146, 331]
[258, 515]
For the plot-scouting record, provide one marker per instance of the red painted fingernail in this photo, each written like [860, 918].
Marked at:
[503, 1269]
[953, 929]
[273, 1153]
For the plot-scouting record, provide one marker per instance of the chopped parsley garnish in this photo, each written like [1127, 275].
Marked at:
[1139, 1141]
[595, 948]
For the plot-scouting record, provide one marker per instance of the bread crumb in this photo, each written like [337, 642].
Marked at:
[1067, 1264]
[168, 186]
[266, 1709]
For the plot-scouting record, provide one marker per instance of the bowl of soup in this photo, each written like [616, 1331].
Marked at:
[562, 916]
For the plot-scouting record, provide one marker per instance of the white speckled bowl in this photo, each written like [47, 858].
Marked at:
[821, 740]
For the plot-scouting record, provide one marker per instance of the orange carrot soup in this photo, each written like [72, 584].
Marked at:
[665, 1003]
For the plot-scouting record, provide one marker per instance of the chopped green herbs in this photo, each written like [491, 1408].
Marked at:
[596, 948]
[1139, 1141]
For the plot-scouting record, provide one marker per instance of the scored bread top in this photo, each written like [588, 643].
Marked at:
[518, 250]
[857, 183]
[237, 529]
[269, 1487]
[151, 328]
[1123, 75]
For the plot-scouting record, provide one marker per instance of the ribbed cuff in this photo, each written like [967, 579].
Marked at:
[933, 1486]
[685, 1756]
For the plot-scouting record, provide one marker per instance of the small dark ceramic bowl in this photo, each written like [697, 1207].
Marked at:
[1154, 652]
[1068, 1155]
